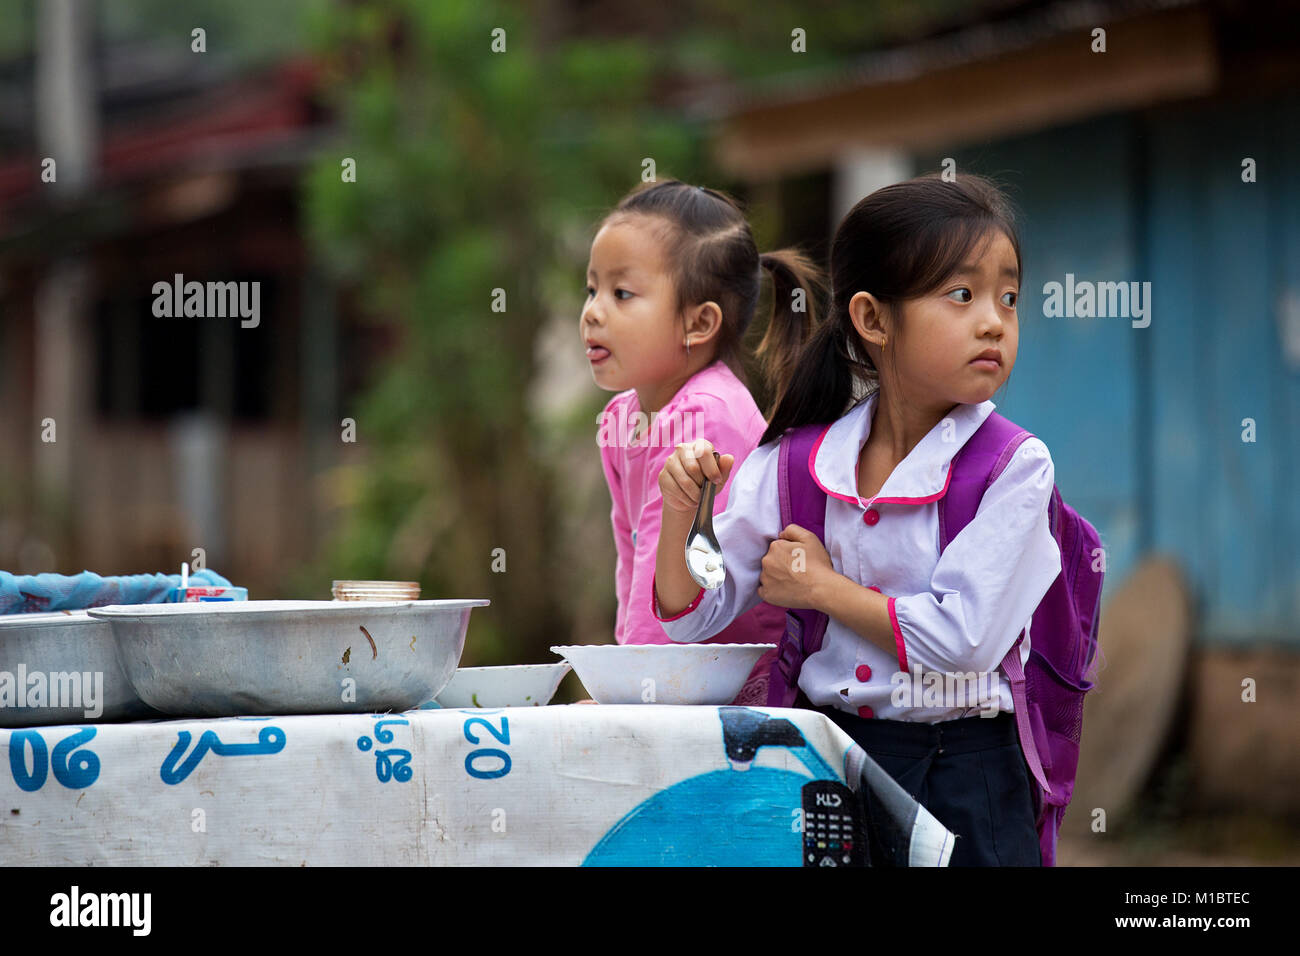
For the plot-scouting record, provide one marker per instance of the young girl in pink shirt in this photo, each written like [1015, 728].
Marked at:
[672, 285]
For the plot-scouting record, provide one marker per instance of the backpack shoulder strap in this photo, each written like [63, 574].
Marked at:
[804, 504]
[976, 466]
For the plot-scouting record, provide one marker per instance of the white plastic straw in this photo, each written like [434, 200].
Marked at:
[185, 574]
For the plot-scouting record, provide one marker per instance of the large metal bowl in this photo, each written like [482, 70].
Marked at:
[57, 646]
[261, 658]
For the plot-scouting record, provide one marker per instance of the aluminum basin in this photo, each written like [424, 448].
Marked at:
[57, 645]
[255, 658]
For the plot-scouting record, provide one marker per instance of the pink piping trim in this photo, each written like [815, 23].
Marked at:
[918, 501]
[898, 637]
[654, 604]
[812, 457]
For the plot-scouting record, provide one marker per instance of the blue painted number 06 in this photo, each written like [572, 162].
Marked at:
[75, 769]
[496, 759]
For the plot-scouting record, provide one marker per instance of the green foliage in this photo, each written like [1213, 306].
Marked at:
[471, 167]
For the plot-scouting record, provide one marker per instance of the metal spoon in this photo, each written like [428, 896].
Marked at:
[703, 553]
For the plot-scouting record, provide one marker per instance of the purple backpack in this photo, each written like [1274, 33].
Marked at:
[1048, 692]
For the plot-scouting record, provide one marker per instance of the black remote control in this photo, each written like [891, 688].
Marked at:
[832, 826]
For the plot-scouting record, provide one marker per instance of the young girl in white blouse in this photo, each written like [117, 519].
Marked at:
[924, 280]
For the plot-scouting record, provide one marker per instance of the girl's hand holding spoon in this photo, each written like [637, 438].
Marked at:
[681, 486]
[681, 481]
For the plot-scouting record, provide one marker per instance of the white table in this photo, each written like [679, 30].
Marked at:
[560, 785]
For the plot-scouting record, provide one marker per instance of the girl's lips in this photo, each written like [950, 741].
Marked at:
[597, 354]
[987, 364]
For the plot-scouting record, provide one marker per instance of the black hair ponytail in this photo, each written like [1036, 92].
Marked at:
[797, 286]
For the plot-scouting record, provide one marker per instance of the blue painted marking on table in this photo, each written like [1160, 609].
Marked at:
[270, 740]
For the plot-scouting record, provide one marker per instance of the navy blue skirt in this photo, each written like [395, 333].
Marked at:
[969, 773]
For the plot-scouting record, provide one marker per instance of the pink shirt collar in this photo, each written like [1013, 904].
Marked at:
[919, 478]
[715, 375]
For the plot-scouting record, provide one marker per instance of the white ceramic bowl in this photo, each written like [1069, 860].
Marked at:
[516, 685]
[663, 673]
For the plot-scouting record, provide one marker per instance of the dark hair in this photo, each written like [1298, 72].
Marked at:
[899, 243]
[712, 257]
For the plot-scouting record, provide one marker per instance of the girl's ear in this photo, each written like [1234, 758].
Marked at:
[868, 318]
[703, 322]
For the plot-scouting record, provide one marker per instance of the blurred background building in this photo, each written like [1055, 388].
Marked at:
[1161, 149]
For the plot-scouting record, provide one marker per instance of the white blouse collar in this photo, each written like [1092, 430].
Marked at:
[919, 478]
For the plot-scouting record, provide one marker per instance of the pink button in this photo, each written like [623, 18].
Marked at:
[866, 712]
[872, 516]
[863, 673]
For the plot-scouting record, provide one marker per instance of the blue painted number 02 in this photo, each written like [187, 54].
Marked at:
[487, 755]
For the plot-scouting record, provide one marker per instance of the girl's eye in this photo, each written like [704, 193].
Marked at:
[591, 292]
[956, 291]
[1015, 296]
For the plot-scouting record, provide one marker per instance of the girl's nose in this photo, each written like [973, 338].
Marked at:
[990, 321]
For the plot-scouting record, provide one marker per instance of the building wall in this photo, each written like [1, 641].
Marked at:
[1225, 257]
[1145, 424]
